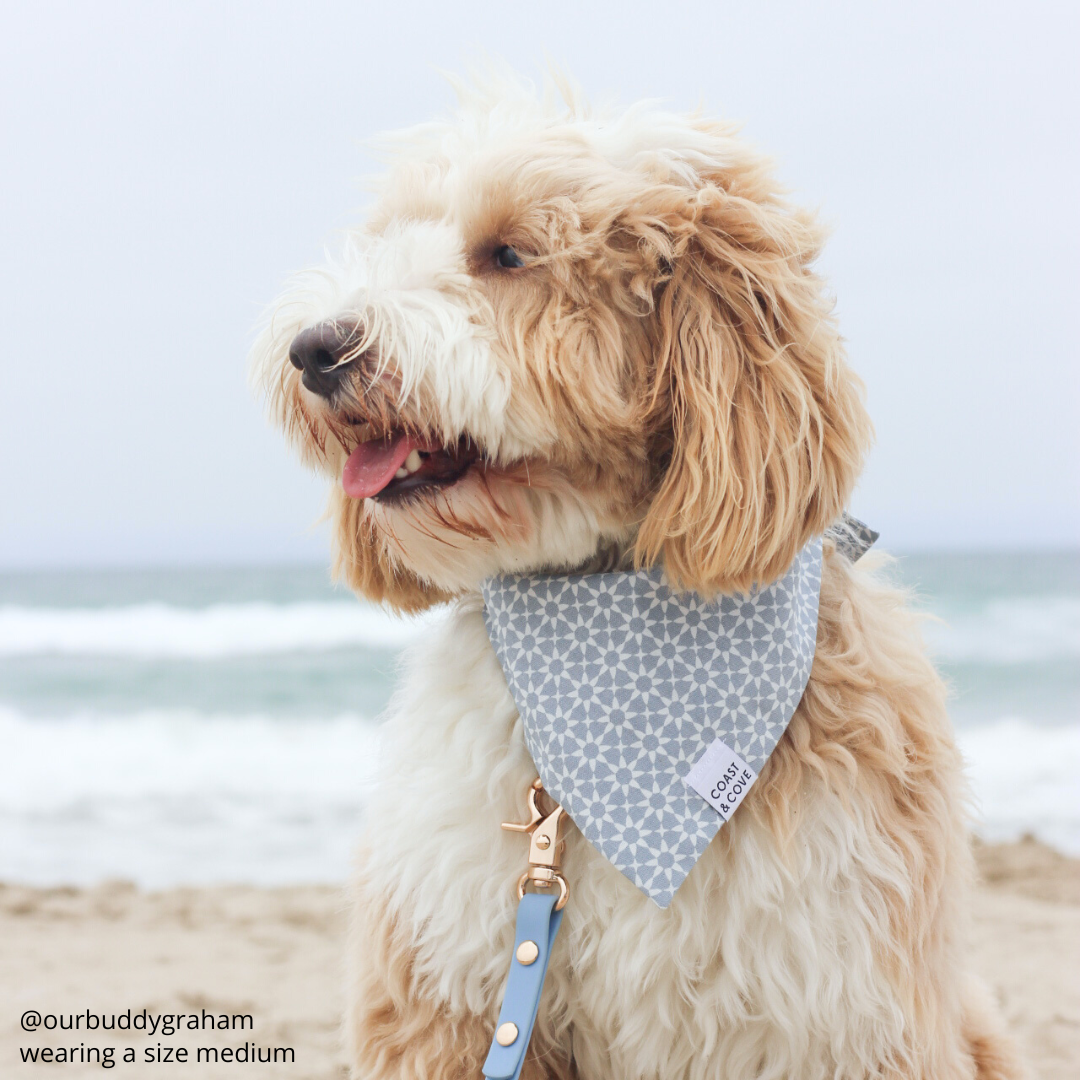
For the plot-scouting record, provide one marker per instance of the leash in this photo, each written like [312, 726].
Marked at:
[538, 919]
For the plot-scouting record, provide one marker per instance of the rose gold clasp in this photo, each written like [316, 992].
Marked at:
[545, 847]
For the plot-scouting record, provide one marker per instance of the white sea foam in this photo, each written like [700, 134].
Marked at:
[221, 630]
[170, 797]
[1025, 779]
[1016, 630]
[51, 763]
[1007, 631]
[167, 797]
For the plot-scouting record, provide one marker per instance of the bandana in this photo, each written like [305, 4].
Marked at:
[650, 713]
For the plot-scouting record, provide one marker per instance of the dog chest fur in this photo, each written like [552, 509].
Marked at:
[786, 952]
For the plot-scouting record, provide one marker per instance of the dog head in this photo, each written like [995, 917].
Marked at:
[559, 334]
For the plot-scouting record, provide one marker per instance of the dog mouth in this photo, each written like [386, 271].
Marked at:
[400, 464]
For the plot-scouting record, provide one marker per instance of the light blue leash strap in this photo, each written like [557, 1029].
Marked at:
[538, 918]
[537, 925]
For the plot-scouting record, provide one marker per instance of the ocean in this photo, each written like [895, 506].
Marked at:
[199, 726]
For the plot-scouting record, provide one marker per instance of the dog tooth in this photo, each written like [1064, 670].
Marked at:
[400, 473]
[412, 462]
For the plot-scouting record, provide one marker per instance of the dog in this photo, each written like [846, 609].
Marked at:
[567, 341]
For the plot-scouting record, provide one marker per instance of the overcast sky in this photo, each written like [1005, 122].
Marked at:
[166, 166]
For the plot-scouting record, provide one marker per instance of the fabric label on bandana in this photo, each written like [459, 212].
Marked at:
[721, 778]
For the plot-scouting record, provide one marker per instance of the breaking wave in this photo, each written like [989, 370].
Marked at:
[176, 797]
[222, 630]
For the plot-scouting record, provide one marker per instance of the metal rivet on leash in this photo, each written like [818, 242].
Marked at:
[506, 1034]
[527, 952]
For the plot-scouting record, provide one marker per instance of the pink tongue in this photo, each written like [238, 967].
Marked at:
[372, 465]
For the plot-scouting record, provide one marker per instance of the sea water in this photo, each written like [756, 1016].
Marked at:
[198, 726]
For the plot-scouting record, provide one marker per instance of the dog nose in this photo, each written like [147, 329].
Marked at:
[325, 354]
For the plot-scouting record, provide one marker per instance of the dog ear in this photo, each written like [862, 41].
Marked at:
[758, 421]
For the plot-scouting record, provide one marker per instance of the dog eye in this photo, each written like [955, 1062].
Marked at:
[507, 257]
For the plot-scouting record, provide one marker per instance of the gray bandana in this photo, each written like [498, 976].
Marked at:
[650, 713]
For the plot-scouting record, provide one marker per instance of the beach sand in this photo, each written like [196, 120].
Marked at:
[276, 954]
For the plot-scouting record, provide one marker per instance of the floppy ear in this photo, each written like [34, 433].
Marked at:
[757, 420]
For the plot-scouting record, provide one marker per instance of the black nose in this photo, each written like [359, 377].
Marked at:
[325, 354]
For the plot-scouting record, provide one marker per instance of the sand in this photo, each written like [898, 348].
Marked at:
[276, 955]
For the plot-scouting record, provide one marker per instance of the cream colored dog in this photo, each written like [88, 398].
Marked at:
[566, 340]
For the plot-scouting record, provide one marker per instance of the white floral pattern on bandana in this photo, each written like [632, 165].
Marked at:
[623, 684]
